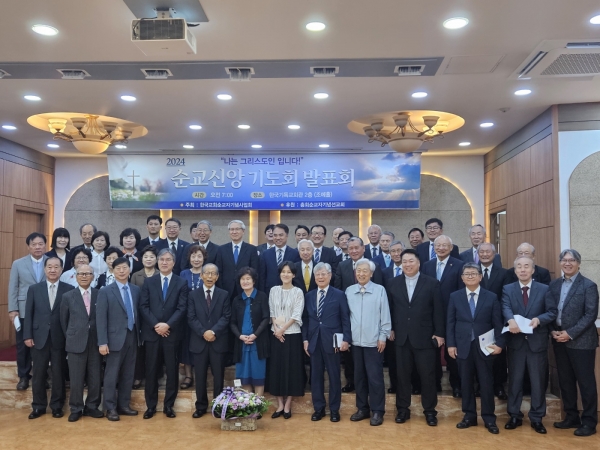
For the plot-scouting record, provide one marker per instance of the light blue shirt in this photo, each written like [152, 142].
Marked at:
[120, 286]
[370, 318]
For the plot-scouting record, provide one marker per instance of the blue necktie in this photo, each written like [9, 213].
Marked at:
[128, 308]
[279, 256]
[373, 252]
[236, 253]
[439, 271]
[387, 259]
[397, 271]
[317, 255]
[472, 306]
[165, 287]
[432, 255]
[38, 272]
[321, 302]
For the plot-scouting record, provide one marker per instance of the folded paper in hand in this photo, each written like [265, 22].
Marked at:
[17, 323]
[338, 338]
[523, 323]
[485, 340]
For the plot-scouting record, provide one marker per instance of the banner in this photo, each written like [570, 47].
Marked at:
[271, 182]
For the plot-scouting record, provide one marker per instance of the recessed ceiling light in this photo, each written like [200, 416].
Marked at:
[464, 144]
[294, 127]
[53, 145]
[45, 30]
[9, 127]
[120, 146]
[595, 20]
[419, 94]
[224, 97]
[256, 146]
[32, 98]
[486, 124]
[315, 26]
[523, 92]
[128, 98]
[195, 127]
[455, 23]
[321, 95]
[324, 145]
[188, 146]
[244, 127]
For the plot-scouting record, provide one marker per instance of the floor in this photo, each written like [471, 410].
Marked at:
[18, 432]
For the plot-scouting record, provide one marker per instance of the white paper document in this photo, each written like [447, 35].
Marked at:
[338, 338]
[17, 323]
[523, 323]
[485, 340]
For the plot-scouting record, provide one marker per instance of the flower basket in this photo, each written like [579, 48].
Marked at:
[238, 409]
[239, 424]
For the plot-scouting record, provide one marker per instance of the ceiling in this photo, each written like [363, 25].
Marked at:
[273, 30]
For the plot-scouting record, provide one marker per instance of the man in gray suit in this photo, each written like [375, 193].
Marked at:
[25, 272]
[117, 320]
[575, 340]
[78, 321]
[527, 298]
[477, 234]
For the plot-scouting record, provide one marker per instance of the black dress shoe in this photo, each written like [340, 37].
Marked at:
[567, 423]
[392, 390]
[287, 415]
[74, 416]
[377, 419]
[317, 415]
[359, 415]
[402, 417]
[348, 388]
[37, 413]
[169, 412]
[584, 430]
[23, 384]
[513, 423]
[477, 393]
[198, 413]
[112, 415]
[501, 393]
[416, 391]
[456, 393]
[95, 413]
[136, 385]
[334, 416]
[466, 423]
[277, 414]
[431, 420]
[57, 413]
[492, 428]
[538, 427]
[127, 412]
[149, 414]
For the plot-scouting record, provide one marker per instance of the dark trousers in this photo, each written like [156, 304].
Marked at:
[321, 361]
[217, 368]
[90, 362]
[390, 356]
[424, 361]
[500, 370]
[42, 357]
[537, 365]
[482, 366]
[576, 368]
[119, 370]
[23, 354]
[348, 360]
[451, 368]
[368, 379]
[159, 352]
[140, 363]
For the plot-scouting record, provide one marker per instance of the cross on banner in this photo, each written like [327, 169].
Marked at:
[133, 176]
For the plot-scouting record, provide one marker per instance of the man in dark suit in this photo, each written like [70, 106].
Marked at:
[233, 256]
[78, 322]
[322, 253]
[343, 240]
[540, 274]
[373, 249]
[327, 313]
[43, 334]
[336, 242]
[204, 230]
[447, 270]
[209, 311]
[153, 225]
[415, 237]
[163, 307]
[395, 268]
[418, 323]
[117, 321]
[575, 340]
[269, 237]
[471, 313]
[272, 258]
[305, 278]
[434, 228]
[477, 234]
[527, 298]
[173, 228]
[384, 258]
[86, 231]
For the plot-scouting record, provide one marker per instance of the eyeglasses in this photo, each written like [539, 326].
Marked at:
[175, 227]
[210, 274]
[433, 228]
[396, 250]
[317, 233]
[81, 258]
[568, 261]
[471, 274]
[235, 229]
[84, 274]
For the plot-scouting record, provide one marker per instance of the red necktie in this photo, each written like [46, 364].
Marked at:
[525, 296]
[208, 298]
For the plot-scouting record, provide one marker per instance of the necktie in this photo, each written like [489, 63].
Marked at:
[475, 256]
[208, 298]
[306, 277]
[373, 252]
[432, 254]
[128, 308]
[52, 295]
[86, 301]
[525, 296]
[279, 256]
[320, 303]
[387, 259]
[397, 271]
[346, 256]
[236, 253]
[439, 271]
[317, 255]
[38, 272]
[486, 277]
[472, 306]
[165, 287]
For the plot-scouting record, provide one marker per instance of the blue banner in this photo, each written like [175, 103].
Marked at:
[270, 182]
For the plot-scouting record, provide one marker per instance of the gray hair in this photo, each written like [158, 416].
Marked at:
[389, 233]
[374, 226]
[322, 266]
[162, 251]
[477, 225]
[238, 222]
[524, 257]
[85, 225]
[527, 243]
[487, 243]
[573, 252]
[471, 265]
[396, 243]
[442, 236]
[205, 222]
[205, 266]
[365, 261]
[306, 241]
[356, 239]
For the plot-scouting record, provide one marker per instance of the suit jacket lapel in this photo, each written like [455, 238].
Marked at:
[213, 301]
[416, 291]
[170, 288]
[479, 305]
[117, 293]
[575, 286]
[46, 297]
[79, 303]
[533, 297]
[493, 274]
[29, 266]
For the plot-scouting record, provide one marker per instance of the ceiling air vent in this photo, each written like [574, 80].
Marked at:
[73, 74]
[409, 71]
[574, 64]
[156, 74]
[324, 71]
[239, 73]
[4, 73]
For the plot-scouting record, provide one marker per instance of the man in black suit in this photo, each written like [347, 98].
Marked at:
[43, 334]
[447, 270]
[528, 299]
[575, 340]
[384, 259]
[194, 233]
[419, 327]
[163, 307]
[471, 313]
[78, 322]
[173, 228]
[343, 240]
[477, 234]
[117, 321]
[269, 237]
[209, 311]
[373, 249]
[233, 256]
[434, 228]
[395, 268]
[272, 258]
[540, 274]
[86, 231]
[304, 278]
[322, 253]
[204, 230]
[153, 225]
[415, 237]
[335, 238]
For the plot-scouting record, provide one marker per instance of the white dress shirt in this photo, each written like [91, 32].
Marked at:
[411, 283]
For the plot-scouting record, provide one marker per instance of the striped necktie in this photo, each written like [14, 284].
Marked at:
[279, 256]
[320, 303]
[317, 255]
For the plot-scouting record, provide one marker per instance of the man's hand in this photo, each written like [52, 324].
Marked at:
[162, 329]
[380, 346]
[29, 343]
[452, 352]
[209, 336]
[535, 322]
[495, 349]
[561, 336]
[440, 340]
[103, 350]
[306, 348]
[392, 336]
[513, 327]
[344, 347]
[12, 315]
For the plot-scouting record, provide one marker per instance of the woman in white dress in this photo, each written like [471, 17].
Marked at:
[100, 241]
